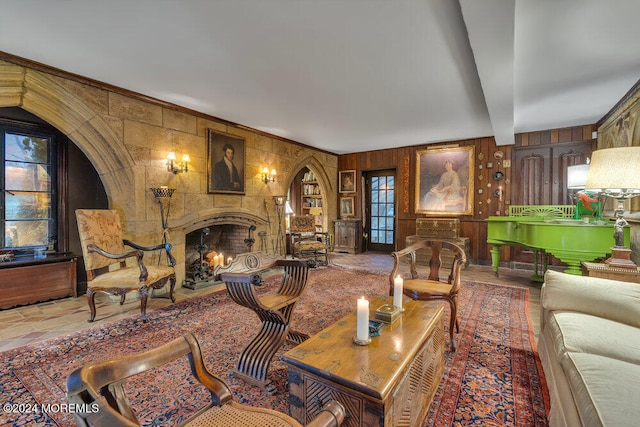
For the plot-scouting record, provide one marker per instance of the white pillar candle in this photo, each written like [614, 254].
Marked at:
[397, 291]
[362, 326]
[221, 260]
[229, 260]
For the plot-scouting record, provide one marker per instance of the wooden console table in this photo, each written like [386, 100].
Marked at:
[390, 382]
[595, 269]
[28, 280]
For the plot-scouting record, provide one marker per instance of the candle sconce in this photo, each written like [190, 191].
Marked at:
[177, 168]
[267, 176]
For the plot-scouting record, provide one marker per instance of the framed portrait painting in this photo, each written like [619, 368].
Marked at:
[346, 206]
[444, 181]
[347, 181]
[225, 163]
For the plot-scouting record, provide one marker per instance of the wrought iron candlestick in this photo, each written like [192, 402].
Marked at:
[163, 196]
[279, 201]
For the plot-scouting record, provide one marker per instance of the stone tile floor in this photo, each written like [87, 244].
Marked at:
[23, 325]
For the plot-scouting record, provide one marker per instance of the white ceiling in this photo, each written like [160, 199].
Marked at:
[350, 75]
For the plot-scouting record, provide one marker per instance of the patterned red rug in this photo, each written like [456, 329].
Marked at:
[494, 378]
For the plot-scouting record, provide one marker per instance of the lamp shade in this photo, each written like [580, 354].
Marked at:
[615, 170]
[577, 176]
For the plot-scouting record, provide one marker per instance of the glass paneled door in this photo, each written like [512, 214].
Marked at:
[381, 210]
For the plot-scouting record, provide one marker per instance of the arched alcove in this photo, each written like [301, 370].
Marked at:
[54, 103]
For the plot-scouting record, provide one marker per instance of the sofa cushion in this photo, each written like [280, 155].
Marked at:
[619, 301]
[604, 389]
[578, 332]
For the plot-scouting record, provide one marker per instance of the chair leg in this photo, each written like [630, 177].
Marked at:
[144, 296]
[453, 322]
[172, 285]
[91, 299]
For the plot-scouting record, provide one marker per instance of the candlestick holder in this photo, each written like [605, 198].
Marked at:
[163, 196]
[361, 342]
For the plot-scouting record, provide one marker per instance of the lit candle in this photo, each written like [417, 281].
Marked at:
[229, 260]
[397, 291]
[362, 326]
[215, 261]
[221, 260]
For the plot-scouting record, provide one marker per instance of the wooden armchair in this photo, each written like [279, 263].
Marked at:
[274, 310]
[431, 287]
[103, 384]
[306, 242]
[103, 249]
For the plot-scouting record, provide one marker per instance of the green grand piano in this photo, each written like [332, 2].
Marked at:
[551, 229]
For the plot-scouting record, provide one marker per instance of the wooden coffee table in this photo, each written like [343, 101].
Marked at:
[389, 382]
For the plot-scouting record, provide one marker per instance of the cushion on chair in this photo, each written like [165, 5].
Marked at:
[233, 415]
[129, 277]
[309, 245]
[429, 286]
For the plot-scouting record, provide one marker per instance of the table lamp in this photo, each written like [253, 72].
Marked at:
[614, 173]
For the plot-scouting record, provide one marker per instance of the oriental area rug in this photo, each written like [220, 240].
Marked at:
[494, 377]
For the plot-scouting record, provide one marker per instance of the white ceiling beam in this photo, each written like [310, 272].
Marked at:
[490, 26]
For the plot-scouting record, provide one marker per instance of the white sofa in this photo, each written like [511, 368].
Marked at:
[589, 346]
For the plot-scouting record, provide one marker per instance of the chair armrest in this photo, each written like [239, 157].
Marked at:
[166, 246]
[332, 414]
[135, 253]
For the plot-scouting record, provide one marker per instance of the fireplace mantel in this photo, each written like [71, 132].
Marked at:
[217, 216]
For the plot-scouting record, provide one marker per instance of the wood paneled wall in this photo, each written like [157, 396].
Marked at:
[403, 160]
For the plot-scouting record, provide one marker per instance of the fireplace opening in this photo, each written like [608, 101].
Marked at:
[213, 246]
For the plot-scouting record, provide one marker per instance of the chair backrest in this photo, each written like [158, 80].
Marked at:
[435, 262]
[294, 280]
[103, 383]
[100, 227]
[302, 224]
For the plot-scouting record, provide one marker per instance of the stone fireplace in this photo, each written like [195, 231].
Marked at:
[223, 234]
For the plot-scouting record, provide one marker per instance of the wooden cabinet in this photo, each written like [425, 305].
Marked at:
[348, 236]
[32, 280]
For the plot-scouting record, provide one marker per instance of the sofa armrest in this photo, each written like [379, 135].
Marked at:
[609, 299]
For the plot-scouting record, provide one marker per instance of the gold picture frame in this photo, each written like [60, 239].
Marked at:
[225, 177]
[347, 206]
[444, 181]
[347, 181]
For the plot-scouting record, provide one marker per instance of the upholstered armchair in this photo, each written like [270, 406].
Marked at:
[102, 384]
[105, 259]
[306, 242]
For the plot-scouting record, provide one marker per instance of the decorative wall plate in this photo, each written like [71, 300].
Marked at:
[498, 175]
[498, 155]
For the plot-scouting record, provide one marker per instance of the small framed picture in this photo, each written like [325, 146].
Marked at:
[347, 181]
[489, 165]
[346, 206]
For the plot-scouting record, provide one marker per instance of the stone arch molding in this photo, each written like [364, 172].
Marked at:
[44, 97]
[327, 188]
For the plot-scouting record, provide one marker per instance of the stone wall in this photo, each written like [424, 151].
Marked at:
[127, 137]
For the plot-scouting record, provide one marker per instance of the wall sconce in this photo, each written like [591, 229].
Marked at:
[183, 166]
[267, 176]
